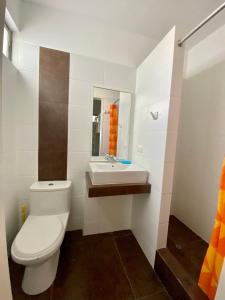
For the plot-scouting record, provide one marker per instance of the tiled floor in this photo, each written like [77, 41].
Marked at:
[179, 265]
[186, 246]
[100, 267]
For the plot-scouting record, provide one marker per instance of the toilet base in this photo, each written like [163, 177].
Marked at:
[38, 278]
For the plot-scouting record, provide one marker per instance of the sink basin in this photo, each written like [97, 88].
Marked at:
[116, 173]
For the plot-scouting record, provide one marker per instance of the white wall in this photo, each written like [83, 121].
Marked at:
[86, 73]
[107, 214]
[201, 139]
[26, 60]
[9, 104]
[19, 132]
[82, 35]
[158, 89]
[5, 288]
[207, 53]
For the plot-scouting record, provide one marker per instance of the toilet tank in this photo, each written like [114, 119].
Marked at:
[50, 197]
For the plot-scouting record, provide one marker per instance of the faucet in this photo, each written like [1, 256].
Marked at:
[110, 158]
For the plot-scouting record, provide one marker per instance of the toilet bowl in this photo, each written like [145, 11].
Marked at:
[37, 244]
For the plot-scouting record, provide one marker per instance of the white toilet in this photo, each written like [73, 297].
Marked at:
[38, 242]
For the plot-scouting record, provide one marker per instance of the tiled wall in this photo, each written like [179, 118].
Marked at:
[107, 214]
[5, 289]
[201, 135]
[53, 114]
[10, 91]
[86, 73]
[26, 60]
[158, 89]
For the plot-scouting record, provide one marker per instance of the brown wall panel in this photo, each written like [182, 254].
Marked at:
[53, 114]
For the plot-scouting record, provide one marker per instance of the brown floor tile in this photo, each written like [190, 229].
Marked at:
[158, 296]
[179, 234]
[178, 282]
[121, 233]
[107, 266]
[93, 273]
[141, 275]
[188, 248]
[72, 237]
[191, 256]
[128, 246]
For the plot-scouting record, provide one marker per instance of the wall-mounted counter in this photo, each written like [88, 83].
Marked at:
[116, 189]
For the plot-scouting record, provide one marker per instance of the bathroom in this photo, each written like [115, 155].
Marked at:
[117, 212]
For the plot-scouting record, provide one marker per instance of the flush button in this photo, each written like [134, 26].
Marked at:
[50, 184]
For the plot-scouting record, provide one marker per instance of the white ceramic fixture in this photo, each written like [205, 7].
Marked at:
[38, 242]
[116, 173]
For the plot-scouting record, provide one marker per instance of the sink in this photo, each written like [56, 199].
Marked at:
[116, 173]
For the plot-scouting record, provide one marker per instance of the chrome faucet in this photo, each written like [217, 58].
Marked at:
[110, 158]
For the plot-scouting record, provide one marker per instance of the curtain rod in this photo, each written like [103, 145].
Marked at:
[206, 20]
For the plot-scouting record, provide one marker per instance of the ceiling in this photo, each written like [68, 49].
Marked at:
[150, 18]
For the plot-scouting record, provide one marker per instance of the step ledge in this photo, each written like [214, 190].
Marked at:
[183, 279]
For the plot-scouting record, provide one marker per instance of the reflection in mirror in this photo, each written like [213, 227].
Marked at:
[110, 123]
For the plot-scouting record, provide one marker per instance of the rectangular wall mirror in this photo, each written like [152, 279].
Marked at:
[111, 123]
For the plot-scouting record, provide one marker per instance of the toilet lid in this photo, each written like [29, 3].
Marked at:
[38, 234]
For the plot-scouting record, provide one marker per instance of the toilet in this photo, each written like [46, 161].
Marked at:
[37, 244]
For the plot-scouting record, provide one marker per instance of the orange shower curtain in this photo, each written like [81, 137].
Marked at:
[113, 129]
[213, 262]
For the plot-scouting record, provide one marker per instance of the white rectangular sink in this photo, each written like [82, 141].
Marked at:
[116, 173]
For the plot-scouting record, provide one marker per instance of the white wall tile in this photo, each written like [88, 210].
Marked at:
[27, 137]
[81, 93]
[76, 213]
[79, 141]
[86, 69]
[107, 214]
[168, 178]
[177, 81]
[119, 77]
[85, 73]
[153, 94]
[27, 58]
[78, 186]
[174, 113]
[92, 227]
[80, 118]
[171, 143]
[8, 190]
[27, 100]
[27, 163]
[162, 235]
[78, 162]
[23, 185]
[165, 208]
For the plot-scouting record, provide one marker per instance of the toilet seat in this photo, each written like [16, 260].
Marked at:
[39, 238]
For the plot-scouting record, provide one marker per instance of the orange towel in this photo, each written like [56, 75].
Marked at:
[213, 262]
[113, 129]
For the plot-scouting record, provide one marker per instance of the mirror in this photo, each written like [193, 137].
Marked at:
[111, 123]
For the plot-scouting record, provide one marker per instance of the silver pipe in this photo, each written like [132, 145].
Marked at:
[206, 20]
